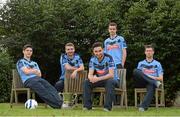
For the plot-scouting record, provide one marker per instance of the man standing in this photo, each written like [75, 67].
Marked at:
[115, 46]
[69, 61]
[101, 74]
[148, 74]
[31, 76]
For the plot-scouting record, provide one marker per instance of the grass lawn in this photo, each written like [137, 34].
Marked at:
[19, 110]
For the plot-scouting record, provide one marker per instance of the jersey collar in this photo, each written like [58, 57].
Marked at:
[149, 61]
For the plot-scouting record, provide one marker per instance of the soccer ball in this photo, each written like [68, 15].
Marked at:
[31, 104]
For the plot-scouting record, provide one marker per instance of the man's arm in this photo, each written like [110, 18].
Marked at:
[90, 74]
[69, 67]
[160, 77]
[73, 75]
[80, 68]
[107, 76]
[124, 55]
[94, 78]
[27, 71]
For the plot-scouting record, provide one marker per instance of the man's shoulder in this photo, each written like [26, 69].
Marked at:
[19, 61]
[107, 39]
[107, 55]
[157, 62]
[63, 56]
[142, 61]
[93, 59]
[77, 55]
[119, 37]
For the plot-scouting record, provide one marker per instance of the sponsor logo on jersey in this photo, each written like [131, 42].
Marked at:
[115, 46]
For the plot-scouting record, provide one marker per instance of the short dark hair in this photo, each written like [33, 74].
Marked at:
[113, 24]
[148, 46]
[97, 44]
[27, 46]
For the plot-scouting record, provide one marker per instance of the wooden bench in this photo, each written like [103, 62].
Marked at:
[118, 91]
[74, 86]
[159, 95]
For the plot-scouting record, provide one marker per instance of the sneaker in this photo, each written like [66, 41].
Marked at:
[86, 109]
[141, 109]
[158, 84]
[106, 110]
[65, 105]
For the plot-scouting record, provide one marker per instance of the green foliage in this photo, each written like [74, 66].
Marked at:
[160, 26]
[49, 24]
[5, 79]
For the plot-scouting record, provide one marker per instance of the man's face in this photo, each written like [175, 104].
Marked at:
[28, 52]
[112, 30]
[98, 52]
[70, 50]
[149, 52]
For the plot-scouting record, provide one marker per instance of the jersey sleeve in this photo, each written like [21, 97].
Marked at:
[80, 62]
[36, 66]
[105, 47]
[111, 63]
[20, 64]
[91, 65]
[139, 66]
[63, 60]
[124, 45]
[160, 70]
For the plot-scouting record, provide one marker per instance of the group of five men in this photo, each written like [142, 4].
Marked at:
[103, 67]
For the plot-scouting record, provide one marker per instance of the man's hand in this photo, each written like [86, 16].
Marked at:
[94, 79]
[153, 77]
[73, 75]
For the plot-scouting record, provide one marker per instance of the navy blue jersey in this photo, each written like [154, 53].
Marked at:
[102, 67]
[29, 64]
[76, 61]
[114, 48]
[152, 68]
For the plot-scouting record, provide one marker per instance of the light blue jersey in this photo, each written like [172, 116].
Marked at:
[29, 64]
[114, 47]
[76, 61]
[102, 67]
[152, 68]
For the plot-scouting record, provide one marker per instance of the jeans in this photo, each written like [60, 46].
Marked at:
[59, 85]
[142, 80]
[109, 85]
[45, 91]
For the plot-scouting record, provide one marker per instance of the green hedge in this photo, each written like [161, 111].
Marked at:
[5, 75]
[49, 24]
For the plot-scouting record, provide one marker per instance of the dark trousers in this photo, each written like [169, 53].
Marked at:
[45, 91]
[109, 85]
[141, 81]
[59, 85]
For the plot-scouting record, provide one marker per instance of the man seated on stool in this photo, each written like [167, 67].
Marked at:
[31, 76]
[148, 74]
[69, 61]
[101, 74]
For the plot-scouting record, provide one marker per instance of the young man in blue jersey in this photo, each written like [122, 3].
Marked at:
[148, 74]
[101, 74]
[69, 61]
[115, 46]
[31, 76]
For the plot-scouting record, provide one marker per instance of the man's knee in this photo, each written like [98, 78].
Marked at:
[110, 83]
[137, 72]
[86, 83]
[59, 86]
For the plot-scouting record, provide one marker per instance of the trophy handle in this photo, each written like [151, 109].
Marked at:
[74, 98]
